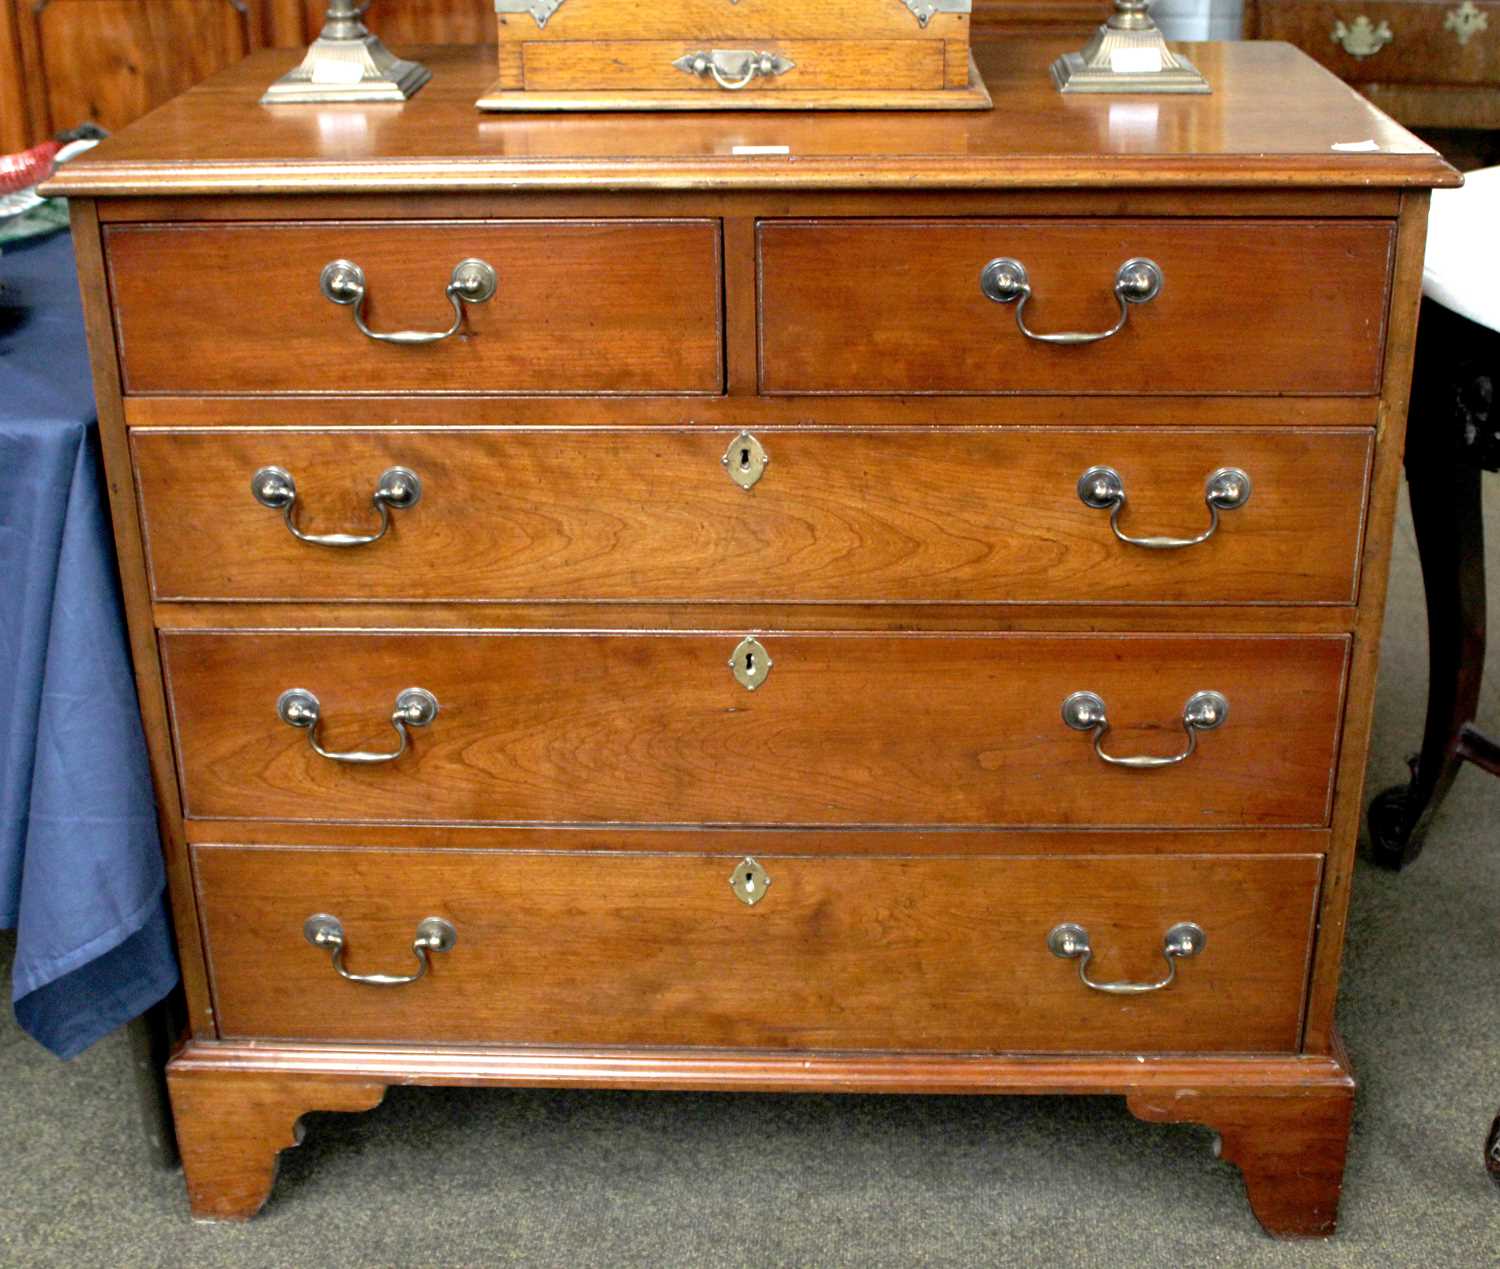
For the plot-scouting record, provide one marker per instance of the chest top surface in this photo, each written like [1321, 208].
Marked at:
[1275, 118]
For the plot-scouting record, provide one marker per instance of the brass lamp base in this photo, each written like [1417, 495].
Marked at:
[347, 63]
[1127, 55]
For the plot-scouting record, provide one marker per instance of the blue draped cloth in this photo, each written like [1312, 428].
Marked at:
[81, 875]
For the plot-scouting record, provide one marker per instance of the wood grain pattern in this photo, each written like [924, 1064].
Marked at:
[215, 140]
[100, 60]
[1411, 245]
[1424, 50]
[130, 557]
[1289, 1145]
[738, 841]
[845, 729]
[962, 89]
[959, 515]
[232, 1126]
[894, 306]
[609, 306]
[842, 953]
[818, 65]
[1306, 1085]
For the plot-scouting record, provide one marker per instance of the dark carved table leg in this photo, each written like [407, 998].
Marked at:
[1453, 436]
[1446, 514]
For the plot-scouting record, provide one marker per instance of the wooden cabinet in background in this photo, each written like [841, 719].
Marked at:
[1434, 65]
[63, 62]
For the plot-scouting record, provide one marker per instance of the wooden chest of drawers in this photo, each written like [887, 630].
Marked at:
[610, 611]
[1430, 63]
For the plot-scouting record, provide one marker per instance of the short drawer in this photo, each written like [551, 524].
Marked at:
[937, 954]
[896, 306]
[798, 66]
[578, 306]
[957, 515]
[840, 729]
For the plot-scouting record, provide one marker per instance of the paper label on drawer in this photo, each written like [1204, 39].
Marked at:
[336, 72]
[1135, 61]
[760, 149]
[1354, 147]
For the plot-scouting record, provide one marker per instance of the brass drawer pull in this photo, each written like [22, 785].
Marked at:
[1361, 38]
[1071, 943]
[397, 489]
[1101, 488]
[433, 935]
[1137, 281]
[415, 707]
[472, 282]
[1204, 711]
[734, 68]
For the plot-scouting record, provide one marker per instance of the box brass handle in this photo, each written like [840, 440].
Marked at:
[472, 282]
[1101, 488]
[1204, 711]
[433, 935]
[734, 68]
[415, 707]
[397, 489]
[1071, 942]
[1137, 281]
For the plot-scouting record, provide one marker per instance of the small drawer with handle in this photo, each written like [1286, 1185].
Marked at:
[615, 306]
[1124, 953]
[1070, 306]
[950, 515]
[768, 727]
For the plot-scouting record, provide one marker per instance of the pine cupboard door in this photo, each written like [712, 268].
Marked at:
[111, 61]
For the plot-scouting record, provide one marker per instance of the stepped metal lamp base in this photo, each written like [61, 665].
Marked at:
[347, 63]
[1127, 55]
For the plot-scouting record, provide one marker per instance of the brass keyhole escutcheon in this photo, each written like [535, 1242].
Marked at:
[745, 460]
[749, 881]
[750, 663]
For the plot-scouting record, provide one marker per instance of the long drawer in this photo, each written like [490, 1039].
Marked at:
[897, 306]
[614, 306]
[935, 954]
[834, 729]
[946, 514]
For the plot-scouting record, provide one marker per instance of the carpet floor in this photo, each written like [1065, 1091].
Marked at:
[463, 1177]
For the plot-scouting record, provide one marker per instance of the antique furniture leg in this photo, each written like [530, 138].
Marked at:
[1492, 1151]
[232, 1125]
[1288, 1143]
[1448, 448]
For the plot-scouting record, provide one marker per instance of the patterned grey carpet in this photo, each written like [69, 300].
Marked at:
[458, 1177]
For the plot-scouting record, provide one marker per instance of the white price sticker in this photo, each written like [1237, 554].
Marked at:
[336, 72]
[1135, 61]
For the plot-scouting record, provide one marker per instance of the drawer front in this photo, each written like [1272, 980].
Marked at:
[895, 306]
[943, 515]
[599, 307]
[842, 729]
[807, 65]
[1410, 42]
[935, 954]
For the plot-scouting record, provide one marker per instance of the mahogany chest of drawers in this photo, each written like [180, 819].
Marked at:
[894, 610]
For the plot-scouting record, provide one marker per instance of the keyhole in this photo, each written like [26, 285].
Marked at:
[749, 883]
[750, 664]
[744, 458]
